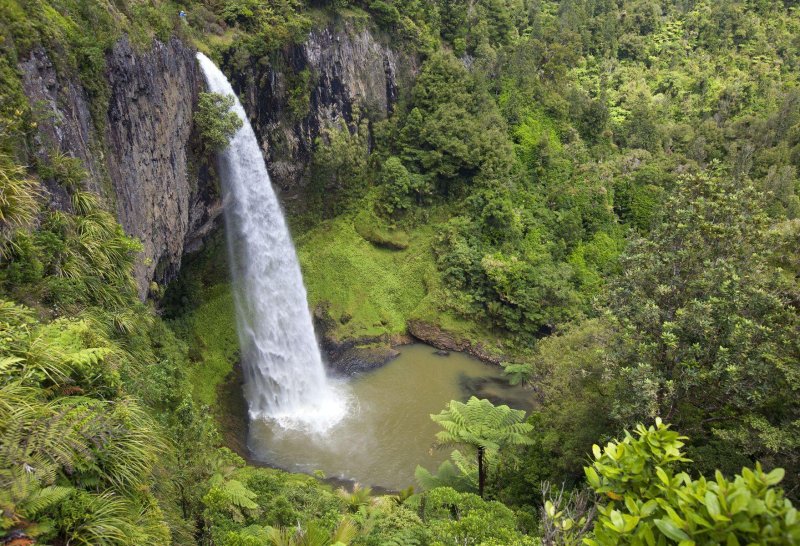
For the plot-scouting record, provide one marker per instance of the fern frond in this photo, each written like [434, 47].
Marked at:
[45, 498]
[239, 495]
[345, 532]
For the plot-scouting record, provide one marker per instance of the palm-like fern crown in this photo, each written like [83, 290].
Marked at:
[481, 424]
[106, 448]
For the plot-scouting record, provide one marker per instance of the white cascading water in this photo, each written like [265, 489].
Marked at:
[284, 376]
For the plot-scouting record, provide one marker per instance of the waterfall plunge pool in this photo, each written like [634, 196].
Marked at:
[387, 431]
[378, 432]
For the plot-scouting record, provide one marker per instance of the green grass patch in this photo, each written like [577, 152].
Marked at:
[370, 290]
[200, 303]
[370, 228]
[214, 345]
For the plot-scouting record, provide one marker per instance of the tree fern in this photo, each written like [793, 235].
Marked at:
[517, 374]
[239, 495]
[480, 424]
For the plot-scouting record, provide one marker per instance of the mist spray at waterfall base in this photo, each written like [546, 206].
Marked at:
[285, 379]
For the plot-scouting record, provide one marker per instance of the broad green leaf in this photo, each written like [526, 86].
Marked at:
[648, 508]
[617, 520]
[647, 533]
[630, 523]
[670, 530]
[775, 476]
[662, 475]
[712, 504]
[591, 475]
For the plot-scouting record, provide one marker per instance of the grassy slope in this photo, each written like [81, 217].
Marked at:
[213, 336]
[377, 288]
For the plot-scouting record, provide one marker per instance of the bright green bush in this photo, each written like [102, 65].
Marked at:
[400, 189]
[647, 500]
[215, 120]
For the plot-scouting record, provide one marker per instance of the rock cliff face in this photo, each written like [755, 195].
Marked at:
[338, 70]
[140, 164]
[148, 133]
[61, 107]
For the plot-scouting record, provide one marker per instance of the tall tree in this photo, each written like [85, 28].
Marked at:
[707, 328]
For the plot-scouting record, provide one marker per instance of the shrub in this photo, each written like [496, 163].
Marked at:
[649, 502]
[215, 121]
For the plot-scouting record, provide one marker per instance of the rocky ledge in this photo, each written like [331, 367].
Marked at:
[435, 336]
[350, 356]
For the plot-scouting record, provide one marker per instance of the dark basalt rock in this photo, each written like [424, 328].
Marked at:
[140, 165]
[351, 70]
[445, 341]
[349, 358]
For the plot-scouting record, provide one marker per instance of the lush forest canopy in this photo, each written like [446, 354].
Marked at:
[605, 191]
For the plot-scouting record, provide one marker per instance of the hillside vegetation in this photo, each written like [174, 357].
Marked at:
[606, 193]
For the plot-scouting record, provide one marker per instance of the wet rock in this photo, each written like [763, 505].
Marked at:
[349, 358]
[445, 341]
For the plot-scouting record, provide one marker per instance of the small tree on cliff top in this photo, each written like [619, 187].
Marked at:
[215, 120]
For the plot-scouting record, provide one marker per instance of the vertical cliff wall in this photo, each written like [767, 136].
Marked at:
[339, 69]
[148, 131]
[141, 162]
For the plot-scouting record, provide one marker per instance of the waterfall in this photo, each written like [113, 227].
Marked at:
[284, 375]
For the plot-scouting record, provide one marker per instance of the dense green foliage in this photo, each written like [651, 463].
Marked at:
[701, 329]
[604, 192]
[649, 502]
[215, 121]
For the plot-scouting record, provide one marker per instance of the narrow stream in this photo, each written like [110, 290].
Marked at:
[388, 432]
